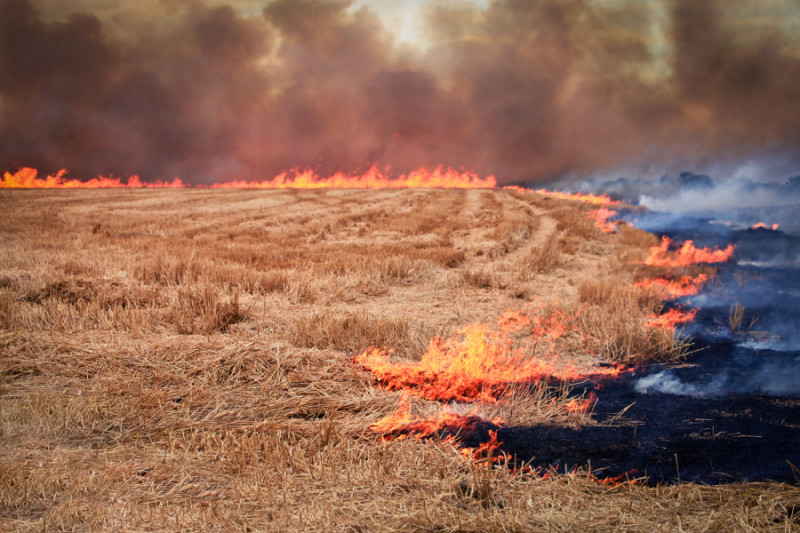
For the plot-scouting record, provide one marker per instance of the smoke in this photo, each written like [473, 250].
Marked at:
[527, 91]
[750, 374]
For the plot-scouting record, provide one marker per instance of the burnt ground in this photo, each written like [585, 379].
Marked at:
[667, 437]
[732, 413]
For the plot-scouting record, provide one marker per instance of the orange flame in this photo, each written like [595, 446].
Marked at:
[761, 225]
[597, 199]
[402, 423]
[513, 321]
[440, 177]
[601, 216]
[451, 427]
[671, 289]
[582, 405]
[671, 319]
[478, 365]
[26, 178]
[688, 254]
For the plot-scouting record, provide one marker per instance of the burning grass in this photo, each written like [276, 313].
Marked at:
[184, 360]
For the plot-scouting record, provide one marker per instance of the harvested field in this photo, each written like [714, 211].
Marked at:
[184, 360]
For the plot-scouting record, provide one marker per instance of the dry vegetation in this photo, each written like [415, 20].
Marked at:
[181, 360]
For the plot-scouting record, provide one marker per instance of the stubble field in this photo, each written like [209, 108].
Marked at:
[183, 360]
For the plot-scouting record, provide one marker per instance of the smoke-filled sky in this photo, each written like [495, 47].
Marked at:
[526, 90]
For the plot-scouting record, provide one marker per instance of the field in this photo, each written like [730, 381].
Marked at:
[184, 360]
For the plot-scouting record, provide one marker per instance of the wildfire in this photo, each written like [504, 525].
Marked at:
[597, 199]
[476, 366]
[582, 405]
[26, 178]
[672, 318]
[688, 254]
[403, 424]
[373, 178]
[601, 216]
[761, 225]
[672, 289]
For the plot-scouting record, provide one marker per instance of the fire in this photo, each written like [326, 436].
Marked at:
[373, 178]
[688, 254]
[672, 289]
[450, 427]
[596, 199]
[601, 216]
[513, 321]
[582, 405]
[403, 424]
[26, 178]
[672, 318]
[440, 177]
[761, 225]
[478, 366]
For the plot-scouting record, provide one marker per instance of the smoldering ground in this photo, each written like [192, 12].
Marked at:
[524, 90]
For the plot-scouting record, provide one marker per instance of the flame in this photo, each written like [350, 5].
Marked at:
[26, 178]
[479, 363]
[402, 423]
[761, 225]
[596, 199]
[513, 321]
[601, 216]
[450, 427]
[440, 177]
[672, 318]
[671, 289]
[688, 254]
[582, 405]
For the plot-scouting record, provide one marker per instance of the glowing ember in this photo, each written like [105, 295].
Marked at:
[672, 318]
[26, 178]
[601, 216]
[597, 199]
[688, 254]
[670, 289]
[761, 225]
[440, 177]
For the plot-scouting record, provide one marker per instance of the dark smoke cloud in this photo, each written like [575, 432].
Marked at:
[526, 90]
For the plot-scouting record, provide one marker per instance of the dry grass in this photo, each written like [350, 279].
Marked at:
[181, 360]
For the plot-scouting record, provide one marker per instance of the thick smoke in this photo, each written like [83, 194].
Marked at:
[525, 90]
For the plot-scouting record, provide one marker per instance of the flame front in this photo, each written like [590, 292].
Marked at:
[440, 177]
[761, 225]
[373, 178]
[479, 364]
[597, 199]
[26, 178]
[672, 318]
[688, 254]
[601, 219]
[671, 289]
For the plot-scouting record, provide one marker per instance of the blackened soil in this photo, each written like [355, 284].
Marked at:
[666, 438]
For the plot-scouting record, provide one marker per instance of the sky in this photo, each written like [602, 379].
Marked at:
[210, 90]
